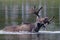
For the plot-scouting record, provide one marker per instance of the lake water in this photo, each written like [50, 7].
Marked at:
[42, 35]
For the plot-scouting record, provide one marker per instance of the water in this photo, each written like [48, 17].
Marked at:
[30, 37]
[43, 35]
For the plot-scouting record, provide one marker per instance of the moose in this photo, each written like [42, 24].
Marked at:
[30, 27]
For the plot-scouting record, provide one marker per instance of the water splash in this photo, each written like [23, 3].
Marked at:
[25, 32]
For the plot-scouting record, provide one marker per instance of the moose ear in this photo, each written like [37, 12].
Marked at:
[53, 16]
[41, 8]
[34, 6]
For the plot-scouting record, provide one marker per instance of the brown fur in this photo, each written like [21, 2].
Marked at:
[11, 29]
[24, 27]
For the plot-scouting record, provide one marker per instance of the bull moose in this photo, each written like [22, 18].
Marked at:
[30, 27]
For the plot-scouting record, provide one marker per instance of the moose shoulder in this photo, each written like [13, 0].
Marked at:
[22, 27]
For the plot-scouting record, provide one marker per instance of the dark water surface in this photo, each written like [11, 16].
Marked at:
[30, 37]
[42, 35]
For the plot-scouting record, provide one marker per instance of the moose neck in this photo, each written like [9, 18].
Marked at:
[38, 26]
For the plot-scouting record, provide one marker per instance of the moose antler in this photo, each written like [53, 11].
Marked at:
[39, 9]
[51, 18]
[36, 12]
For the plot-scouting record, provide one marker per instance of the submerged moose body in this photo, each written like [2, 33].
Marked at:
[23, 27]
[30, 27]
